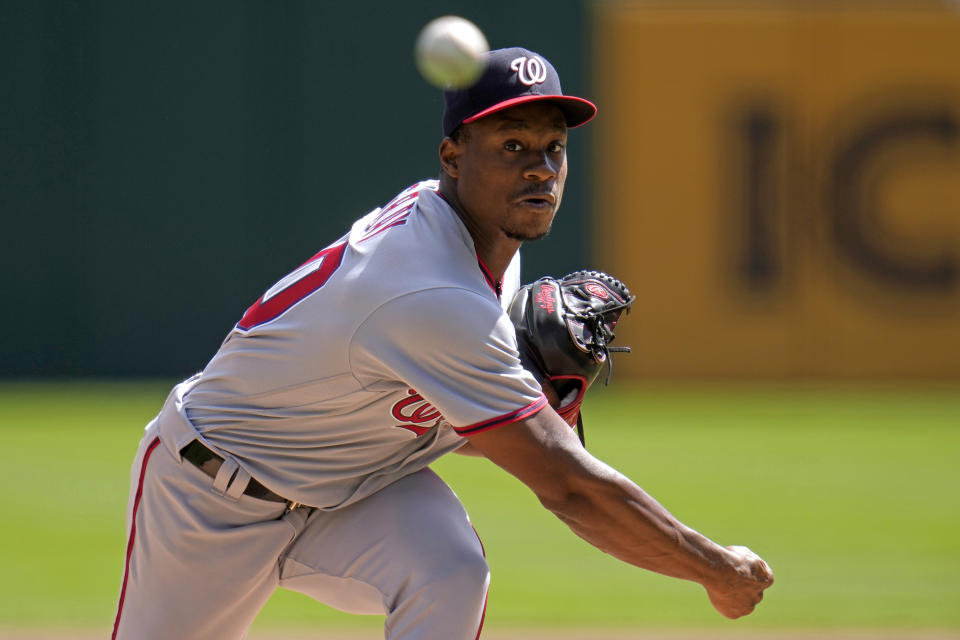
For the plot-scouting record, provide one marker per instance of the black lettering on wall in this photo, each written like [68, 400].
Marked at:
[758, 261]
[852, 206]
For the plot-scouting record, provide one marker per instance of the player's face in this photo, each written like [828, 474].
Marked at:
[511, 170]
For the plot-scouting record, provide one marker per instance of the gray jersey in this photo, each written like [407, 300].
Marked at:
[367, 363]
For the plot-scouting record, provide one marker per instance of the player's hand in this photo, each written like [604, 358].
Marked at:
[742, 589]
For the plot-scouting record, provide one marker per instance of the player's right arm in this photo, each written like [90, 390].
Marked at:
[464, 362]
[612, 513]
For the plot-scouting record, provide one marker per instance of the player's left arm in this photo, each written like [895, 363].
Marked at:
[564, 328]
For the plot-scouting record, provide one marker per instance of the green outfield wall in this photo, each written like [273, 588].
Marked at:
[163, 163]
[777, 181]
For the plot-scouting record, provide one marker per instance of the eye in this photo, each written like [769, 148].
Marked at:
[513, 145]
[556, 147]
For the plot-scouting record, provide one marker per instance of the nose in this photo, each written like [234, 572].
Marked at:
[542, 167]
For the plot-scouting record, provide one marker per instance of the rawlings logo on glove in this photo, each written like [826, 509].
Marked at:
[564, 330]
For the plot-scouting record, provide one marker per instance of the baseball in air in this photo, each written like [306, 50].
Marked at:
[450, 52]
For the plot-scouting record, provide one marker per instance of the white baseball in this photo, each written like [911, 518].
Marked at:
[450, 52]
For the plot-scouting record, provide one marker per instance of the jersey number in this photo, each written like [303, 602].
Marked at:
[293, 288]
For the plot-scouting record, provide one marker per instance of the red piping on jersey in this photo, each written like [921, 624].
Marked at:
[496, 285]
[507, 418]
[483, 614]
[133, 533]
[483, 549]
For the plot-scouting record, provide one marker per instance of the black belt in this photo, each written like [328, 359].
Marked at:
[207, 461]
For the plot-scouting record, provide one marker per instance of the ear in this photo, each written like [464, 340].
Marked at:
[450, 152]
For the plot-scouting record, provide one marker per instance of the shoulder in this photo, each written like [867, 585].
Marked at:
[435, 327]
[455, 346]
[439, 311]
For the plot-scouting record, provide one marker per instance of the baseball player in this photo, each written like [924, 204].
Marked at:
[299, 457]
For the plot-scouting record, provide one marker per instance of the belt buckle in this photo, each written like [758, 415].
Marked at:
[291, 505]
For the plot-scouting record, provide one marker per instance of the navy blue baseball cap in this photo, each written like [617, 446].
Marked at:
[512, 77]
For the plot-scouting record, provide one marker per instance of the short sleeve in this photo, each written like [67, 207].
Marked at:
[457, 349]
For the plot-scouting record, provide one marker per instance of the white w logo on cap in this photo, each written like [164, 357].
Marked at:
[530, 71]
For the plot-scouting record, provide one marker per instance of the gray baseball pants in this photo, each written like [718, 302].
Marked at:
[202, 559]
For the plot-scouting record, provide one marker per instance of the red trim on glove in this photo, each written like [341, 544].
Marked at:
[570, 411]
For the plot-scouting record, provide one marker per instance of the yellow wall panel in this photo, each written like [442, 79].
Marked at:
[780, 187]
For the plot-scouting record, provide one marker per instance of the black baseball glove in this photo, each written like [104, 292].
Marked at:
[564, 330]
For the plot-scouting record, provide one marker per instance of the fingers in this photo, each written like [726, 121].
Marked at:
[735, 606]
[736, 598]
[763, 572]
[747, 604]
[758, 567]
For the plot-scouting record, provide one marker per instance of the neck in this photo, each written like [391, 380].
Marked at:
[494, 249]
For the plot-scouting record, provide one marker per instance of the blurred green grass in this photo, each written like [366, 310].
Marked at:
[851, 492]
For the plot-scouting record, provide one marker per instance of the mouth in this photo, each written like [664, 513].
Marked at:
[537, 200]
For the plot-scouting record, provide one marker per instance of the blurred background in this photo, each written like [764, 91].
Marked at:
[777, 181]
[164, 163]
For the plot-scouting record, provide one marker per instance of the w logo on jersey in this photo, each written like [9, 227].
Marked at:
[530, 71]
[419, 415]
